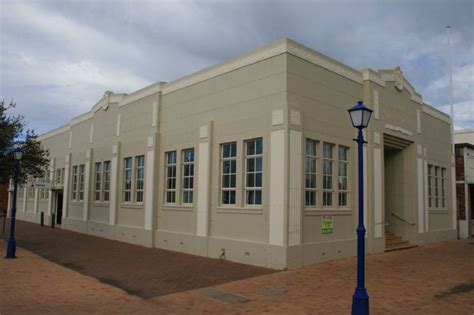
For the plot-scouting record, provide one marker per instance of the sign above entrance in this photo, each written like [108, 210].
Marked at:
[39, 184]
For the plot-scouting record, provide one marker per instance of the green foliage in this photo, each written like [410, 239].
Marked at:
[35, 157]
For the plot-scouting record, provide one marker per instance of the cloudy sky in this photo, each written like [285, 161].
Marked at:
[58, 57]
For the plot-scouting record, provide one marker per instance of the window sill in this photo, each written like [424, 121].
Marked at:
[170, 207]
[76, 202]
[438, 211]
[239, 210]
[327, 211]
[131, 205]
[100, 204]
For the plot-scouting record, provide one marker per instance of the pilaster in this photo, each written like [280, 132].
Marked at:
[66, 186]
[87, 176]
[114, 169]
[25, 198]
[295, 179]
[277, 214]
[52, 165]
[204, 163]
[150, 182]
[420, 190]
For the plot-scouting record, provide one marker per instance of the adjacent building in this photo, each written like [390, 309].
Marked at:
[464, 142]
[252, 160]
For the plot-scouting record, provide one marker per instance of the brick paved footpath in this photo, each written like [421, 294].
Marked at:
[432, 279]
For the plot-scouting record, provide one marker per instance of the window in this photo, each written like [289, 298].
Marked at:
[253, 162]
[436, 186]
[106, 185]
[342, 176]
[188, 175]
[139, 175]
[102, 181]
[436, 182]
[229, 173]
[81, 182]
[43, 193]
[127, 180]
[59, 180]
[74, 182]
[443, 187]
[430, 185]
[310, 173]
[170, 191]
[327, 174]
[31, 193]
[98, 181]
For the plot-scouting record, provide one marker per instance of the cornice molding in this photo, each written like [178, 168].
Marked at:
[433, 112]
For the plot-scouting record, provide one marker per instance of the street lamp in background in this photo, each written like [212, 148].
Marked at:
[360, 116]
[11, 244]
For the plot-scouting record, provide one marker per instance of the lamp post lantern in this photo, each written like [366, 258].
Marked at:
[11, 243]
[360, 117]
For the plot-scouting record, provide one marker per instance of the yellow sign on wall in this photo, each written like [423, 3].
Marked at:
[326, 224]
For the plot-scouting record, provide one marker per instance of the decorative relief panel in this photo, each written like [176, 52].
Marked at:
[295, 117]
[277, 117]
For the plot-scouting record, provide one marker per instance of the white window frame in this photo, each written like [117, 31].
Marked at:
[81, 182]
[127, 174]
[75, 192]
[313, 174]
[173, 166]
[139, 177]
[98, 182]
[255, 156]
[231, 159]
[187, 193]
[106, 181]
[331, 175]
[345, 162]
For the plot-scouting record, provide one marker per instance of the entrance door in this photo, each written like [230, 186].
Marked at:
[59, 208]
[397, 183]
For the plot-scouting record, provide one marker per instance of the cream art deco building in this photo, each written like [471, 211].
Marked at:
[246, 159]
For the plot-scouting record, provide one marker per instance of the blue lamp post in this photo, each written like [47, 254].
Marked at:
[360, 116]
[11, 243]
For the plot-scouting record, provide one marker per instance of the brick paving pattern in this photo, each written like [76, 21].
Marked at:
[146, 272]
[432, 279]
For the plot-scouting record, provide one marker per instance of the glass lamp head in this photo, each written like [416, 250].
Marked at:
[360, 115]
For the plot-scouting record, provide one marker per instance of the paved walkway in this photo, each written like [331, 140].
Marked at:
[146, 272]
[432, 279]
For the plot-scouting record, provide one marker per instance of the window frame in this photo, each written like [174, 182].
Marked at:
[139, 169]
[222, 174]
[331, 175]
[187, 190]
[98, 180]
[345, 162]
[255, 189]
[308, 158]
[173, 165]
[127, 170]
[74, 178]
[106, 181]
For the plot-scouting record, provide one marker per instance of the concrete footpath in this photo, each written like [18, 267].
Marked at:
[433, 279]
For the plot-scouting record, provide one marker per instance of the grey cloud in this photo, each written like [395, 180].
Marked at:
[63, 54]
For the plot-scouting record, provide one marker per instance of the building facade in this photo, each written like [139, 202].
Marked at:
[464, 142]
[248, 159]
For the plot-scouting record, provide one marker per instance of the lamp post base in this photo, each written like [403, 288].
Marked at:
[360, 302]
[11, 248]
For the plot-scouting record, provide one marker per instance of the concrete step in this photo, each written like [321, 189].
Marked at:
[395, 242]
[389, 238]
[400, 247]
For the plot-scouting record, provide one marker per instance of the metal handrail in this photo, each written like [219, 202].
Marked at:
[399, 217]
